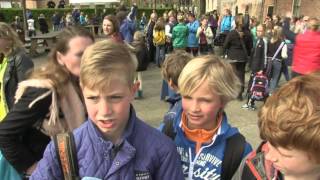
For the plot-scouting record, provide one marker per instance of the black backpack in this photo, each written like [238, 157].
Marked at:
[232, 156]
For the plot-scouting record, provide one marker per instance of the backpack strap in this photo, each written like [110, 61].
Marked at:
[168, 129]
[67, 156]
[278, 51]
[232, 156]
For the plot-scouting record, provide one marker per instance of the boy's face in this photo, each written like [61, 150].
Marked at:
[292, 162]
[109, 110]
[202, 107]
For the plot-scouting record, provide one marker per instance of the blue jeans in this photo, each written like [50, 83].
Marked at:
[276, 70]
[160, 52]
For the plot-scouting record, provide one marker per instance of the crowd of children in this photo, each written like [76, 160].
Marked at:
[87, 89]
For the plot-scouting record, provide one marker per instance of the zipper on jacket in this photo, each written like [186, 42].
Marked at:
[192, 163]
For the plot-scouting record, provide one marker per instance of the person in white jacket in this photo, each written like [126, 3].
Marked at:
[205, 36]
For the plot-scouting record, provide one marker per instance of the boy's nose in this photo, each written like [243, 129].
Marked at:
[105, 108]
[195, 107]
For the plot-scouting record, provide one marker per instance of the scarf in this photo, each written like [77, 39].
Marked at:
[69, 103]
[199, 136]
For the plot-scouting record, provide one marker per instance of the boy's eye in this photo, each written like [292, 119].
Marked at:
[93, 98]
[115, 98]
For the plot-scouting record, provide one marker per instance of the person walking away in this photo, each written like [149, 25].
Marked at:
[159, 39]
[238, 46]
[149, 36]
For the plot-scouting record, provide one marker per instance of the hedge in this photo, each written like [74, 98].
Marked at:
[10, 13]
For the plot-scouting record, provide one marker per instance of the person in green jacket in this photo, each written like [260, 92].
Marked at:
[180, 34]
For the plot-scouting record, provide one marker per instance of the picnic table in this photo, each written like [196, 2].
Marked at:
[92, 28]
[48, 39]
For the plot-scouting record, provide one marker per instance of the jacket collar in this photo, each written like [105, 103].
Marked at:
[126, 151]
[222, 134]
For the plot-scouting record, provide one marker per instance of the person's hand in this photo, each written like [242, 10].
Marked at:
[31, 168]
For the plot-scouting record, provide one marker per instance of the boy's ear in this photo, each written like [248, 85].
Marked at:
[135, 87]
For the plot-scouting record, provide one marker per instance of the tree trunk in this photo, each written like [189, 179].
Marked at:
[23, 4]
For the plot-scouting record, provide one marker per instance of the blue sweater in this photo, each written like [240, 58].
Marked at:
[192, 38]
[207, 163]
[145, 153]
[226, 23]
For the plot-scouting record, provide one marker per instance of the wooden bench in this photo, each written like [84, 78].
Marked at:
[49, 40]
[92, 27]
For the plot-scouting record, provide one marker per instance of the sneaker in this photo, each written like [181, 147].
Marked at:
[245, 106]
[252, 108]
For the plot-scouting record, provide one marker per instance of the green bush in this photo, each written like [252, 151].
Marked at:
[10, 13]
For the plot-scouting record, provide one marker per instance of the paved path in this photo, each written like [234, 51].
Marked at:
[151, 109]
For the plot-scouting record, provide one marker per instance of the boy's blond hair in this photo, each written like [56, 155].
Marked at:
[105, 61]
[173, 65]
[219, 74]
[291, 116]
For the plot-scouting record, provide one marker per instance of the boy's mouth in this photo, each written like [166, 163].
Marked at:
[194, 117]
[106, 123]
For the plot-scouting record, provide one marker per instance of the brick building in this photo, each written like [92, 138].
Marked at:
[261, 8]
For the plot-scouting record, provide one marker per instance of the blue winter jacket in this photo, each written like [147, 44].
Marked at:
[145, 153]
[192, 38]
[127, 29]
[226, 24]
[207, 163]
[175, 107]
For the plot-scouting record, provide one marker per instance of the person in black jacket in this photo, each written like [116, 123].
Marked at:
[149, 36]
[238, 46]
[51, 4]
[14, 66]
[47, 103]
[43, 24]
[140, 50]
[258, 62]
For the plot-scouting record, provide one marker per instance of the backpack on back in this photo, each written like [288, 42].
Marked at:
[259, 87]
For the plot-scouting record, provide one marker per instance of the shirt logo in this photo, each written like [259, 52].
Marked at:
[143, 175]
